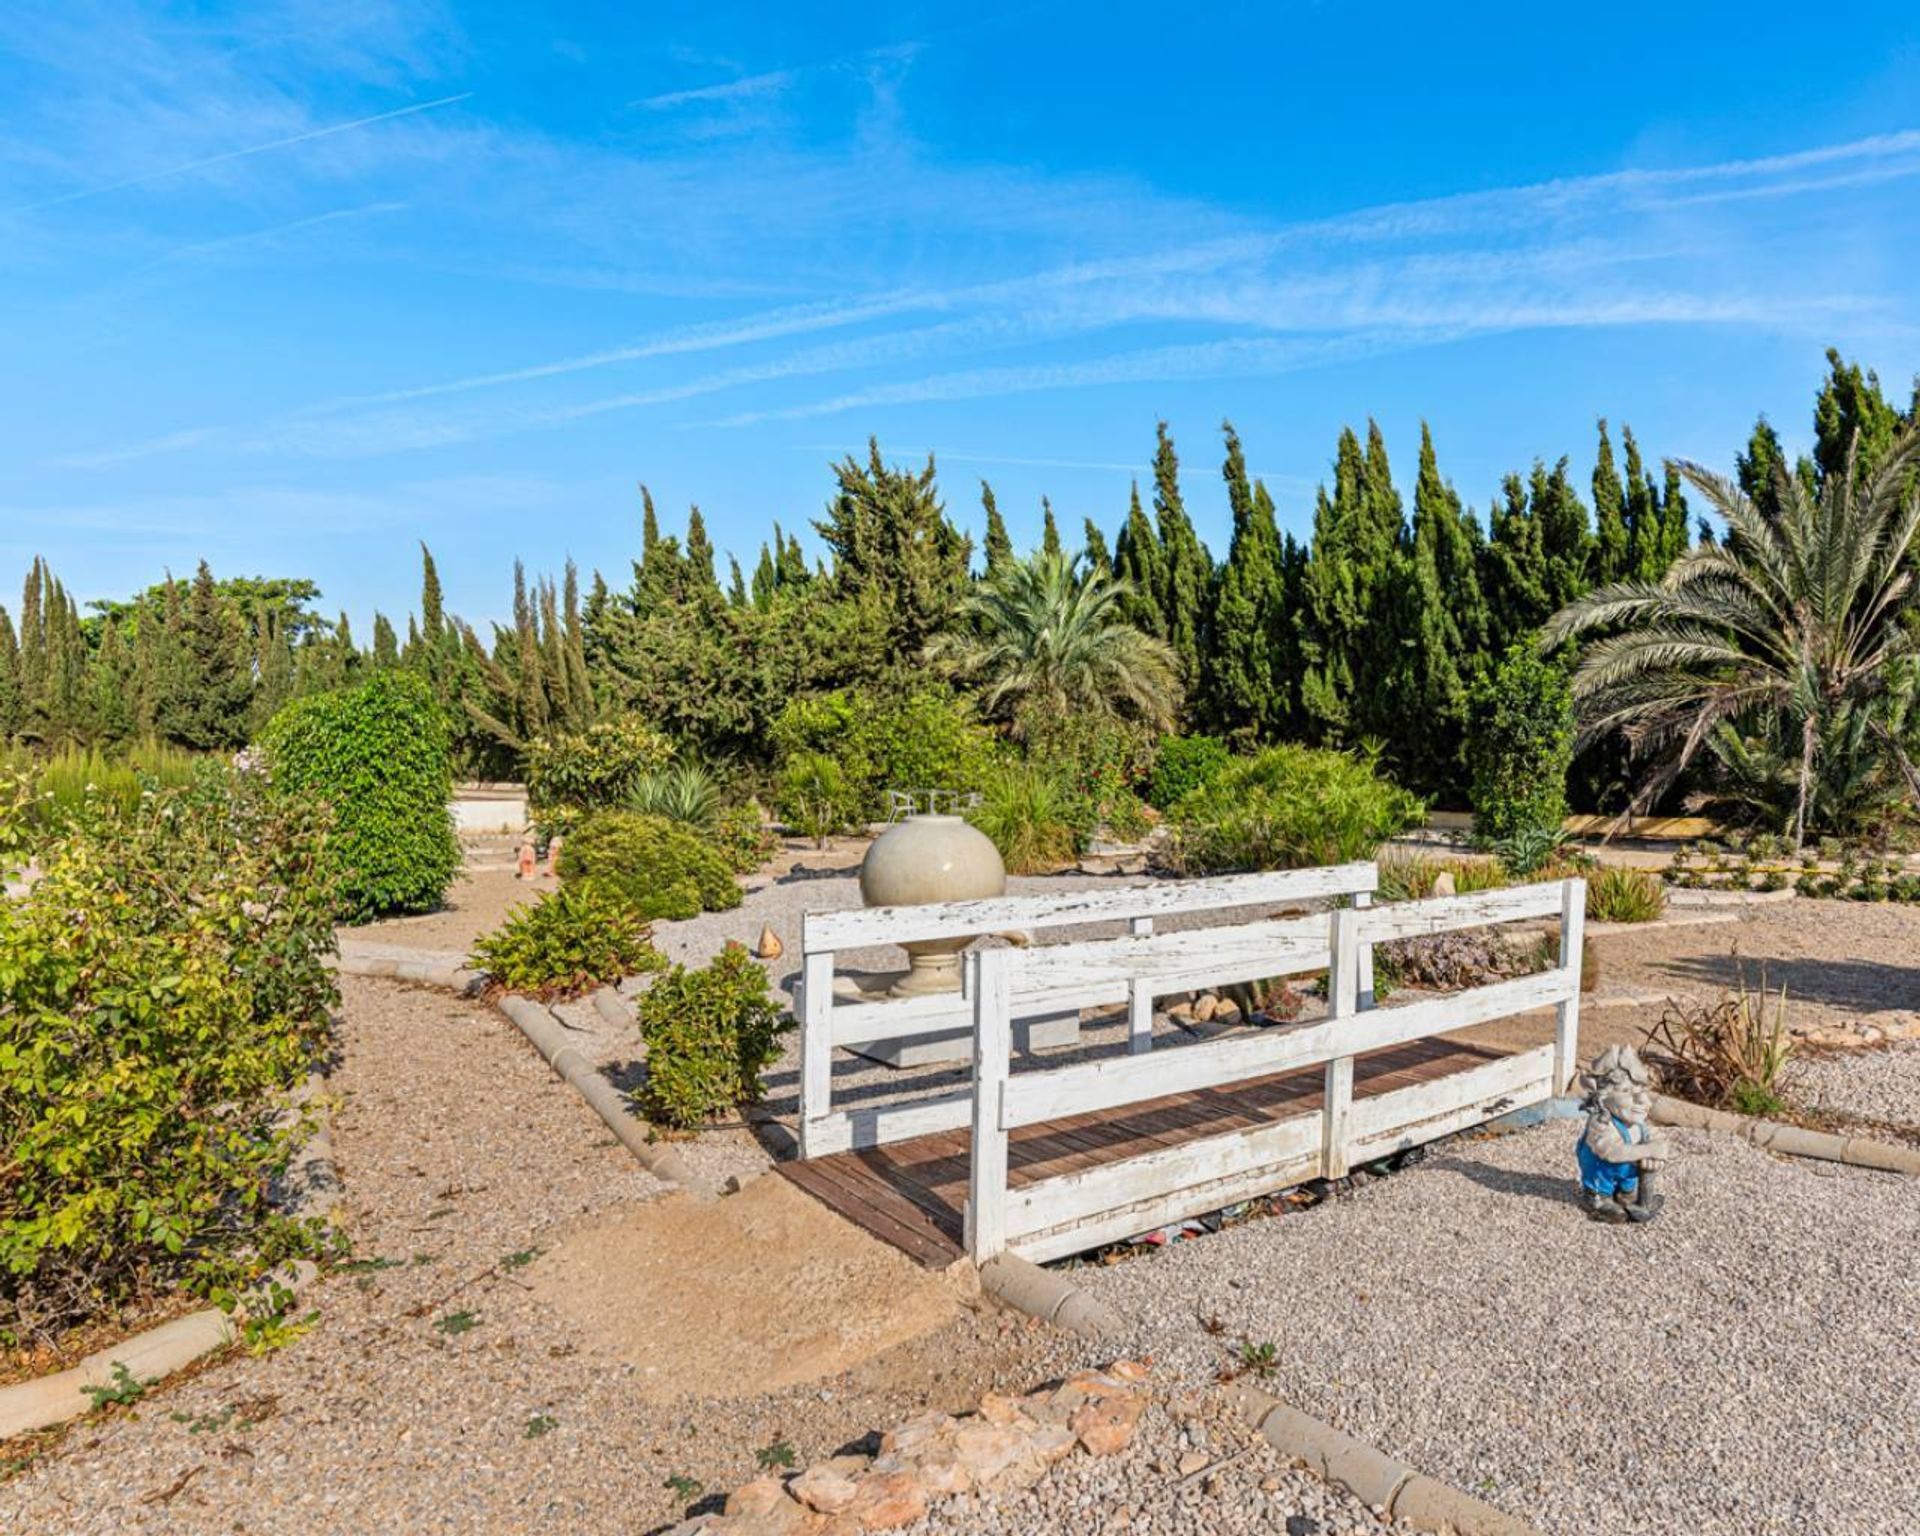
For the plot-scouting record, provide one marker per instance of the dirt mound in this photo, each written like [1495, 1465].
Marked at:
[739, 1296]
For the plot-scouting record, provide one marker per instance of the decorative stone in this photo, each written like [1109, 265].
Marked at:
[756, 1497]
[1443, 883]
[927, 859]
[988, 1450]
[770, 946]
[1052, 1443]
[1106, 1426]
[1205, 1006]
[1192, 1462]
[917, 1433]
[1006, 1411]
[888, 1500]
[825, 1489]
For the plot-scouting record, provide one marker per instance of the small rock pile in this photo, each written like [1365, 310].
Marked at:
[1886, 1029]
[1007, 1446]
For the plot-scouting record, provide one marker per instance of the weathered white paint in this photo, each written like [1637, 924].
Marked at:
[1566, 1032]
[875, 1125]
[815, 1007]
[1343, 994]
[1445, 914]
[986, 1216]
[1407, 1117]
[1001, 914]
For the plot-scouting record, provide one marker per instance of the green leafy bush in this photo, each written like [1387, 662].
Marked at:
[1520, 740]
[709, 1034]
[743, 837]
[1289, 807]
[566, 943]
[377, 753]
[924, 739]
[1182, 765]
[1619, 895]
[659, 868]
[572, 774]
[1025, 810]
[162, 994]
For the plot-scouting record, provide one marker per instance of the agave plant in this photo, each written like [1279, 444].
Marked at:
[1785, 650]
[683, 792]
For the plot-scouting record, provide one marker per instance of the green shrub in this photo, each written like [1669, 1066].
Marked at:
[377, 753]
[659, 868]
[566, 943]
[1619, 895]
[64, 779]
[1025, 811]
[163, 992]
[1525, 854]
[1519, 746]
[709, 1033]
[1411, 876]
[924, 739]
[1289, 807]
[683, 792]
[1182, 765]
[572, 774]
[1098, 760]
[743, 837]
[814, 797]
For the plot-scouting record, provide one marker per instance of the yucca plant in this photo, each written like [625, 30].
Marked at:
[1616, 894]
[1784, 650]
[1730, 1054]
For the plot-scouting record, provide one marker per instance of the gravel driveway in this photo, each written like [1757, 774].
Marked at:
[1747, 1364]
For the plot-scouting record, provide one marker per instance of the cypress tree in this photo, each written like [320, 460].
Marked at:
[1851, 415]
[33, 651]
[1137, 561]
[1566, 536]
[791, 561]
[1613, 552]
[1514, 576]
[1186, 570]
[386, 649]
[10, 711]
[893, 546]
[574, 650]
[737, 581]
[1331, 612]
[998, 546]
[1049, 531]
[274, 671]
[209, 710]
[1673, 517]
[433, 617]
[1759, 467]
[699, 565]
[1244, 696]
[1446, 628]
[1646, 534]
[530, 693]
[766, 578]
[1099, 559]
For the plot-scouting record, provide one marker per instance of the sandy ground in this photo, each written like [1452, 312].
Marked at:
[478, 901]
[419, 1401]
[1746, 1364]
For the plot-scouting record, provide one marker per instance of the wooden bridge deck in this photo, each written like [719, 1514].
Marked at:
[912, 1193]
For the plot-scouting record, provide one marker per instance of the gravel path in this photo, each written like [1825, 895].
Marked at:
[1747, 1364]
[458, 1149]
[1879, 1085]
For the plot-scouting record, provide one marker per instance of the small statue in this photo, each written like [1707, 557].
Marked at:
[527, 862]
[1620, 1154]
[553, 854]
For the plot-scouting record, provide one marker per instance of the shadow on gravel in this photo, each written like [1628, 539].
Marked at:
[1869, 986]
[1501, 1181]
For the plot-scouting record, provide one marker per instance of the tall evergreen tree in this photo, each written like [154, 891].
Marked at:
[737, 581]
[1244, 695]
[998, 545]
[208, 710]
[1138, 562]
[11, 717]
[893, 546]
[1759, 467]
[1613, 538]
[699, 565]
[1446, 630]
[1049, 532]
[1186, 569]
[1851, 415]
[386, 647]
[1099, 557]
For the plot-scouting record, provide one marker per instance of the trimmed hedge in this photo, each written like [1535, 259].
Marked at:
[659, 868]
[378, 754]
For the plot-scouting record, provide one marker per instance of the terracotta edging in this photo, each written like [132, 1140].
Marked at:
[1797, 1141]
[1392, 1487]
[158, 1352]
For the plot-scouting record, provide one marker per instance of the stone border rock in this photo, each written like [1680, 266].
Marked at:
[47, 1401]
[1797, 1141]
[548, 1035]
[1392, 1487]
[426, 973]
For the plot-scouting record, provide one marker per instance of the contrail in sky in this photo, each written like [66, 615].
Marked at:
[241, 154]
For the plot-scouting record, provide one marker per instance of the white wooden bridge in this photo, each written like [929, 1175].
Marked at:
[1046, 1160]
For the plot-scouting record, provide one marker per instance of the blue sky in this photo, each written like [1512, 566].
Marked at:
[294, 285]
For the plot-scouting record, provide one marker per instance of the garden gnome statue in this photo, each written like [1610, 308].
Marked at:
[553, 854]
[527, 861]
[1619, 1153]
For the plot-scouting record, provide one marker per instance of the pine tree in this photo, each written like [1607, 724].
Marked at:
[1244, 696]
[208, 711]
[1613, 552]
[1137, 560]
[999, 546]
[1186, 570]
[1099, 558]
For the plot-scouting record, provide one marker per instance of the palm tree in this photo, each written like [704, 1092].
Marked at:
[1046, 633]
[1787, 650]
